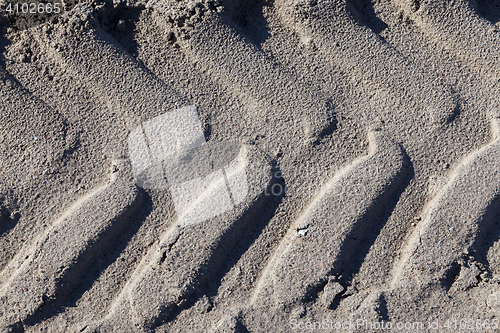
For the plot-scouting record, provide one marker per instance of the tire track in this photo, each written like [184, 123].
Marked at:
[106, 69]
[365, 58]
[314, 248]
[36, 127]
[231, 59]
[451, 220]
[459, 28]
[35, 141]
[174, 274]
[46, 269]
[188, 254]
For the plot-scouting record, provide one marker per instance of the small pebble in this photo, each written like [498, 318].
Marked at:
[170, 36]
[330, 292]
[121, 26]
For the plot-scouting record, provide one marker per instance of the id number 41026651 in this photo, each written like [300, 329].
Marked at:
[33, 8]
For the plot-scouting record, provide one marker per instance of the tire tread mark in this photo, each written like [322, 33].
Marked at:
[163, 282]
[232, 59]
[111, 74]
[330, 25]
[39, 271]
[302, 263]
[451, 221]
[458, 27]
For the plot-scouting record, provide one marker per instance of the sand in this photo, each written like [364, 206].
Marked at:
[250, 166]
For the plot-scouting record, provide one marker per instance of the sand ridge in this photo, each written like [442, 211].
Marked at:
[369, 137]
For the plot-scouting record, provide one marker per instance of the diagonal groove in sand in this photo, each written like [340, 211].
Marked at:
[111, 74]
[330, 25]
[302, 262]
[171, 271]
[40, 135]
[451, 220]
[34, 118]
[232, 59]
[195, 276]
[459, 28]
[40, 271]
[13, 268]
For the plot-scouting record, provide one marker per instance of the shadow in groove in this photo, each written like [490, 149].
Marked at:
[95, 259]
[489, 9]
[123, 33]
[240, 328]
[488, 234]
[235, 242]
[7, 219]
[365, 14]
[248, 19]
[4, 23]
[450, 276]
[358, 243]
[384, 312]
